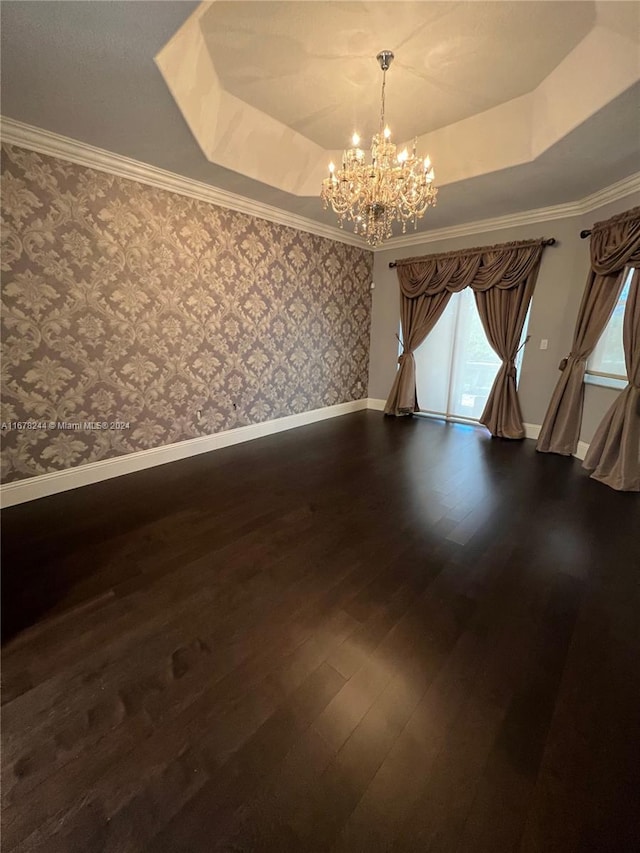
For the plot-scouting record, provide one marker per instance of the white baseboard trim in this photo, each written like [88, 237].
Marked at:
[581, 452]
[94, 472]
[532, 431]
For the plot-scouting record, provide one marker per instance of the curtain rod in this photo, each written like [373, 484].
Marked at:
[550, 242]
[584, 234]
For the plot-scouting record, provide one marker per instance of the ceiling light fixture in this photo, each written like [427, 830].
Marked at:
[391, 188]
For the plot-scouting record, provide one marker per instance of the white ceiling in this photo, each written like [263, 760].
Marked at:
[312, 65]
[86, 70]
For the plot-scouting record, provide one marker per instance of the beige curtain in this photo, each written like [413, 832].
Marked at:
[561, 426]
[503, 312]
[614, 244]
[425, 288]
[418, 317]
[614, 453]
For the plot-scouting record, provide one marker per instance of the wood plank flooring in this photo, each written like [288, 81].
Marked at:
[368, 634]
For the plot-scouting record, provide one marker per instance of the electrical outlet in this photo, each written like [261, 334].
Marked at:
[199, 414]
[544, 343]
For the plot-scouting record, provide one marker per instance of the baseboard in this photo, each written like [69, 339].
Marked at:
[376, 405]
[581, 452]
[532, 431]
[94, 472]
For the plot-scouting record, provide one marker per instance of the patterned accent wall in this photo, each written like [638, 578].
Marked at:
[135, 307]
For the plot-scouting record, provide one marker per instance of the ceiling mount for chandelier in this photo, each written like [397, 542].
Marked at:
[391, 188]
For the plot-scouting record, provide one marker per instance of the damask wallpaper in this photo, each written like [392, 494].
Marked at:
[128, 309]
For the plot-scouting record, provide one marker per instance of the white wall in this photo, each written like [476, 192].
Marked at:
[561, 281]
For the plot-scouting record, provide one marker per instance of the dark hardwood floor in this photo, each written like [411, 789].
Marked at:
[368, 634]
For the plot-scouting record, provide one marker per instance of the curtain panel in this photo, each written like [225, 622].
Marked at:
[503, 278]
[503, 312]
[615, 244]
[614, 453]
[417, 318]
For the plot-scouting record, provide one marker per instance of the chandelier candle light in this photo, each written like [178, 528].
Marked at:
[392, 187]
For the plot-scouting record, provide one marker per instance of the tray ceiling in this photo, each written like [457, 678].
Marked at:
[273, 90]
[312, 65]
[85, 70]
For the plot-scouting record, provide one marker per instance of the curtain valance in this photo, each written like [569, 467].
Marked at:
[503, 278]
[615, 243]
[504, 266]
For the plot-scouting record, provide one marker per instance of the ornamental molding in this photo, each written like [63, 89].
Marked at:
[54, 145]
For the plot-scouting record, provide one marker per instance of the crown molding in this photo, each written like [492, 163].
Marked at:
[592, 202]
[52, 144]
[606, 195]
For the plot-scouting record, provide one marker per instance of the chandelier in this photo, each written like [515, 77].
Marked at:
[391, 188]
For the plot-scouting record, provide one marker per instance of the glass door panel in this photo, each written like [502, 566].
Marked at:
[475, 364]
[456, 366]
[433, 362]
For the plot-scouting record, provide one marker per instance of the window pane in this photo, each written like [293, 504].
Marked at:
[608, 356]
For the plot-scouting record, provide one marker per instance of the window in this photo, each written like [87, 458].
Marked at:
[456, 366]
[606, 364]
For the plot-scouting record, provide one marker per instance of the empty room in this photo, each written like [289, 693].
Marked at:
[320, 426]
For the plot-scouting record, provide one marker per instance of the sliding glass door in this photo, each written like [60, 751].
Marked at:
[455, 366]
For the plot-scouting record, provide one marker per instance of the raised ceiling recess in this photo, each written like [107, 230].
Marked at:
[312, 67]
[273, 90]
[520, 105]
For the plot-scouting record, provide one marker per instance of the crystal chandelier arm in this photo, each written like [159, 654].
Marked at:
[391, 188]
